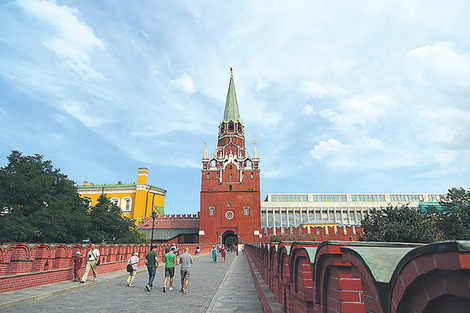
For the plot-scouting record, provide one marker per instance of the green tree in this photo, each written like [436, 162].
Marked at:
[107, 224]
[398, 224]
[42, 204]
[454, 220]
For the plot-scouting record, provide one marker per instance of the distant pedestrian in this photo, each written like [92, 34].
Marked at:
[223, 252]
[214, 254]
[152, 264]
[186, 260]
[198, 250]
[133, 261]
[93, 258]
[170, 261]
[77, 265]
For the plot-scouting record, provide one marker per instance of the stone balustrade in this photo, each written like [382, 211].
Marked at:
[336, 276]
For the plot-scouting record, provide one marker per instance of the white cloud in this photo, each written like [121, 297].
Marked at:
[440, 65]
[74, 41]
[360, 110]
[184, 83]
[444, 158]
[318, 90]
[326, 148]
[308, 110]
[445, 127]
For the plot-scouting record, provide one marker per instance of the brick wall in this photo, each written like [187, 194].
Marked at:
[355, 277]
[24, 266]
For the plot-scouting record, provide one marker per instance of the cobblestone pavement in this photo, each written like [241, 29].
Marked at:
[213, 287]
[237, 293]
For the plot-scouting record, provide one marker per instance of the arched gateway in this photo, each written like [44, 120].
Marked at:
[229, 237]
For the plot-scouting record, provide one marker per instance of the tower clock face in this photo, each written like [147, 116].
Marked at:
[229, 215]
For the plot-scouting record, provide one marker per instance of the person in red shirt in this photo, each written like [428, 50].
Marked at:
[77, 265]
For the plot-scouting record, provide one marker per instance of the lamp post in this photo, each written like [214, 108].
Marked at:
[154, 215]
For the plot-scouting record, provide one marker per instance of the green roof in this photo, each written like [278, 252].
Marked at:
[231, 104]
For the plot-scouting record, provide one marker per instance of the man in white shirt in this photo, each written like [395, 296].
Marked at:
[93, 257]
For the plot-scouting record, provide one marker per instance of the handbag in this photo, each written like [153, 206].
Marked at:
[129, 268]
[97, 260]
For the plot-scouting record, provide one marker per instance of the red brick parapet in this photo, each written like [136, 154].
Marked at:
[344, 276]
[23, 265]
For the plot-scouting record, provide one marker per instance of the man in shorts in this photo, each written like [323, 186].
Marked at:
[170, 261]
[186, 260]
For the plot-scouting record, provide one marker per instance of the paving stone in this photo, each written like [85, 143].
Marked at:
[213, 287]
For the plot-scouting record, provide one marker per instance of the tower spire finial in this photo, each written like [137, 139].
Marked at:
[231, 72]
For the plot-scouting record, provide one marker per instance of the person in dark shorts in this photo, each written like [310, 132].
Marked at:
[170, 261]
[186, 260]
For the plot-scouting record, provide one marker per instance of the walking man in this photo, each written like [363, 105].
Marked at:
[186, 260]
[170, 261]
[152, 264]
[93, 258]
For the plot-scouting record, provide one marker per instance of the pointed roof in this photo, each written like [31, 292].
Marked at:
[206, 155]
[255, 154]
[231, 104]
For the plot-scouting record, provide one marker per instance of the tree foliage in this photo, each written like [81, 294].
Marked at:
[40, 204]
[398, 224]
[405, 224]
[454, 220]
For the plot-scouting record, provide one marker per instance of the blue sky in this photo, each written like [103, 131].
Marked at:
[340, 96]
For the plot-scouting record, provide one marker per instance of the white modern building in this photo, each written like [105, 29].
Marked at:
[286, 210]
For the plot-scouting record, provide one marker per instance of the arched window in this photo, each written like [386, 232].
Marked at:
[246, 210]
[211, 211]
[229, 204]
[217, 175]
[208, 176]
[243, 175]
[126, 205]
[230, 187]
[230, 176]
[114, 201]
[252, 175]
[213, 163]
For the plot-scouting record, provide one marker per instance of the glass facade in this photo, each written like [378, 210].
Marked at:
[283, 210]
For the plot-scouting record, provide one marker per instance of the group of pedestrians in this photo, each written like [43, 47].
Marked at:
[215, 253]
[93, 259]
[171, 261]
[151, 261]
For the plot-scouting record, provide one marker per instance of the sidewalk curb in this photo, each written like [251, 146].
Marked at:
[211, 304]
[269, 302]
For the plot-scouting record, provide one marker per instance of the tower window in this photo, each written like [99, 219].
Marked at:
[208, 176]
[211, 211]
[230, 187]
[229, 204]
[246, 210]
[217, 175]
[252, 176]
[230, 176]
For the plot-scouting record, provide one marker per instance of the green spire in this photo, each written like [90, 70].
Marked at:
[231, 104]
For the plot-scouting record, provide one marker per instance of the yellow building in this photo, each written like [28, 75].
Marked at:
[135, 200]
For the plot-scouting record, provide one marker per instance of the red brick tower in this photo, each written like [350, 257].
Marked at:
[230, 188]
